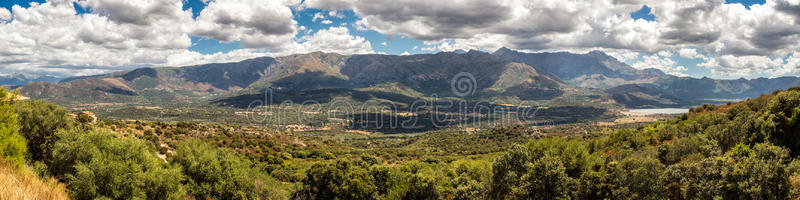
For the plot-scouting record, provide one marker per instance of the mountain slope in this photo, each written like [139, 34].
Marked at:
[425, 74]
[504, 74]
[23, 79]
[168, 85]
[592, 70]
[434, 73]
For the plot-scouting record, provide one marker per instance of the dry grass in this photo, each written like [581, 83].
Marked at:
[22, 183]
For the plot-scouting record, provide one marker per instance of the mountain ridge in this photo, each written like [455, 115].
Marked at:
[501, 74]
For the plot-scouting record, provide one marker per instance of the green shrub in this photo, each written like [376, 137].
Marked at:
[215, 173]
[100, 164]
[39, 122]
[12, 144]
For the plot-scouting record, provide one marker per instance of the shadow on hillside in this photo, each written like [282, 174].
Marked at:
[310, 87]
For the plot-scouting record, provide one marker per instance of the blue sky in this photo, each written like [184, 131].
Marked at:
[394, 44]
[385, 33]
[400, 44]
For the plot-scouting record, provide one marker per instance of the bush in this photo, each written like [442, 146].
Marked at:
[12, 144]
[99, 164]
[39, 122]
[215, 173]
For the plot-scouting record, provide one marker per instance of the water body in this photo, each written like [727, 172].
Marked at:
[651, 111]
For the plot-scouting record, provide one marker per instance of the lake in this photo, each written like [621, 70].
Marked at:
[650, 111]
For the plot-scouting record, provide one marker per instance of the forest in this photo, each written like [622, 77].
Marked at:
[744, 150]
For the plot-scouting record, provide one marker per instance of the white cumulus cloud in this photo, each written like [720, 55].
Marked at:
[5, 15]
[256, 23]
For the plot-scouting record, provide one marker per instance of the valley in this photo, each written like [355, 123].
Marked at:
[551, 87]
[433, 126]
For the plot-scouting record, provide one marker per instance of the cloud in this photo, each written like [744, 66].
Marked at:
[186, 58]
[661, 62]
[121, 34]
[690, 53]
[712, 28]
[333, 13]
[256, 23]
[383, 44]
[430, 20]
[405, 53]
[329, 4]
[5, 15]
[135, 12]
[750, 66]
[317, 16]
[334, 39]
[622, 55]
[52, 38]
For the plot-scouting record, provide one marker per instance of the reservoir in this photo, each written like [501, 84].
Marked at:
[651, 111]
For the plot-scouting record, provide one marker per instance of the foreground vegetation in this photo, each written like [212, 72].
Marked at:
[745, 150]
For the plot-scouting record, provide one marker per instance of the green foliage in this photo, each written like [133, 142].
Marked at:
[214, 173]
[467, 188]
[694, 180]
[12, 144]
[675, 151]
[507, 170]
[756, 173]
[546, 179]
[341, 180]
[99, 164]
[637, 178]
[84, 119]
[39, 122]
[740, 151]
[572, 154]
[422, 187]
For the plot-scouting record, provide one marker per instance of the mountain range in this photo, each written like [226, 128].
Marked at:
[22, 79]
[504, 74]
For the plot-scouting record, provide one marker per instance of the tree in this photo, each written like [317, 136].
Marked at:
[594, 185]
[39, 122]
[546, 179]
[571, 153]
[756, 173]
[694, 180]
[467, 188]
[214, 173]
[12, 144]
[636, 177]
[341, 180]
[100, 164]
[507, 170]
[422, 187]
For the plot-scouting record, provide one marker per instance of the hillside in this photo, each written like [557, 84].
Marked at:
[23, 79]
[592, 70]
[742, 150]
[505, 74]
[427, 73]
[22, 183]
[646, 87]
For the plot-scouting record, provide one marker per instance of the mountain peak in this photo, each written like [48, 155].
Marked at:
[599, 54]
[502, 50]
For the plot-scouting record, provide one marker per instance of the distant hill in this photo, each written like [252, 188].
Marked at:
[592, 70]
[23, 79]
[160, 86]
[646, 87]
[564, 78]
[425, 74]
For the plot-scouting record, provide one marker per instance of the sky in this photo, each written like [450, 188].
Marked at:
[698, 38]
